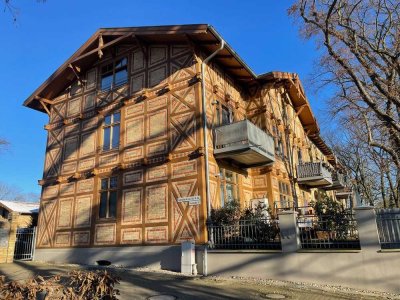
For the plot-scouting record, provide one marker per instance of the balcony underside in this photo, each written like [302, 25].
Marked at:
[245, 155]
[316, 181]
[336, 185]
[343, 194]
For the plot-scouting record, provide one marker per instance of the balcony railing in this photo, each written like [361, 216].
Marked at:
[244, 143]
[314, 174]
[338, 181]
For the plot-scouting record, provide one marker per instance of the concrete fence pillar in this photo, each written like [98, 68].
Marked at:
[289, 231]
[367, 228]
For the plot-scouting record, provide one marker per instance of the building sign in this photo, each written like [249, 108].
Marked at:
[193, 200]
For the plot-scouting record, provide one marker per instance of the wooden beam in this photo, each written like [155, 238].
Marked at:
[44, 100]
[76, 71]
[191, 43]
[113, 42]
[234, 68]
[45, 107]
[244, 78]
[142, 45]
[301, 108]
[216, 43]
[257, 112]
[223, 56]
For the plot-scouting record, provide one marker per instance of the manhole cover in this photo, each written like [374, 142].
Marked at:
[275, 296]
[162, 297]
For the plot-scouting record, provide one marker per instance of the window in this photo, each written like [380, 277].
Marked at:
[108, 198]
[216, 118]
[111, 131]
[226, 117]
[229, 188]
[284, 195]
[310, 154]
[278, 142]
[114, 74]
[299, 156]
[223, 115]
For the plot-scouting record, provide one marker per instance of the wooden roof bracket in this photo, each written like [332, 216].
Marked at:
[190, 42]
[142, 45]
[76, 71]
[45, 107]
[43, 102]
[100, 46]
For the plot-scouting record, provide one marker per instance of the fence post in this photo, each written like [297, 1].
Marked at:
[367, 228]
[289, 231]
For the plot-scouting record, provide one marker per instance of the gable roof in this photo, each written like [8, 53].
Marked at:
[20, 207]
[202, 35]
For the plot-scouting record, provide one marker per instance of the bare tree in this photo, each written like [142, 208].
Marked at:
[9, 192]
[361, 41]
[3, 144]
[374, 173]
[12, 9]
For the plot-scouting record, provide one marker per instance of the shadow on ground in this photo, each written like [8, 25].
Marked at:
[141, 284]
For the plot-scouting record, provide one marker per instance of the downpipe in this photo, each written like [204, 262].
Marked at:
[206, 157]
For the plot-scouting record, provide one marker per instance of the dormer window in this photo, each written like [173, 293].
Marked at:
[114, 74]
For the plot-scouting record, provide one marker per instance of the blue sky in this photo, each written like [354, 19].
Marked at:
[45, 35]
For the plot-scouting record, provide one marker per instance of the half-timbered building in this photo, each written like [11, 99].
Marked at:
[152, 127]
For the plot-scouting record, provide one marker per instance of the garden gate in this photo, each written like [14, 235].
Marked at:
[25, 244]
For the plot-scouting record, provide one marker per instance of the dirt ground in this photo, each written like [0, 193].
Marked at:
[145, 283]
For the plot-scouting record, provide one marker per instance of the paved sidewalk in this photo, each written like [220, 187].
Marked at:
[144, 283]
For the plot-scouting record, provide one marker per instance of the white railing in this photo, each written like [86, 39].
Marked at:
[243, 134]
[312, 169]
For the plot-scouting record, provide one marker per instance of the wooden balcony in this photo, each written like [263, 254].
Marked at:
[344, 193]
[244, 143]
[338, 181]
[314, 174]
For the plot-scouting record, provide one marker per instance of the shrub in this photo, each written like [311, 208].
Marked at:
[231, 213]
[332, 217]
[227, 215]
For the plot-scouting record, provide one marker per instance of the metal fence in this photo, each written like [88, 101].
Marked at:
[246, 234]
[328, 231]
[388, 223]
[25, 243]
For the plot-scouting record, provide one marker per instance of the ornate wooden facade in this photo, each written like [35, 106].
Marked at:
[160, 154]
